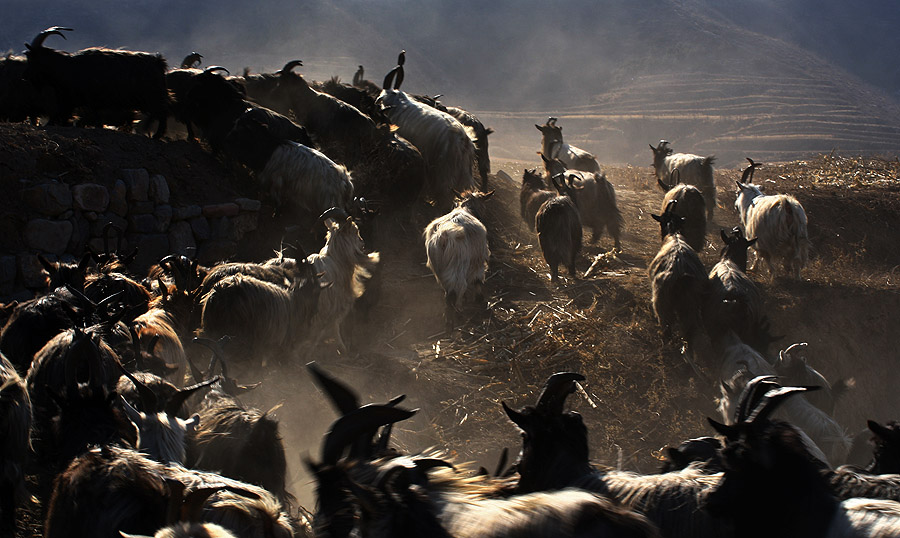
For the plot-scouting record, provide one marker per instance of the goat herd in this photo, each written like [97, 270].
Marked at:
[101, 406]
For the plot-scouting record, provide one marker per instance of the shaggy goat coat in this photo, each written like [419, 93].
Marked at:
[458, 253]
[779, 223]
[298, 176]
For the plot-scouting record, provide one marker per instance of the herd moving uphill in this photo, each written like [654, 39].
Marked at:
[122, 408]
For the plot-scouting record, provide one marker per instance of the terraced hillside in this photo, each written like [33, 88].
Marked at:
[772, 118]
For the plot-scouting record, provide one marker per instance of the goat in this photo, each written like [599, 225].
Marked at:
[555, 456]
[827, 439]
[769, 471]
[290, 174]
[734, 302]
[359, 97]
[18, 99]
[343, 132]
[559, 229]
[553, 147]
[532, 195]
[444, 143]
[779, 223]
[60, 274]
[180, 82]
[704, 453]
[679, 284]
[793, 369]
[413, 496]
[240, 442]
[266, 320]
[215, 104]
[99, 79]
[691, 206]
[344, 266]
[186, 530]
[15, 444]
[693, 170]
[457, 249]
[595, 199]
[136, 495]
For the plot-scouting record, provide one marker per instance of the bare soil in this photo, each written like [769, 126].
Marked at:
[639, 396]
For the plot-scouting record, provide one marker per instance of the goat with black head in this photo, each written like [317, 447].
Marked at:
[559, 228]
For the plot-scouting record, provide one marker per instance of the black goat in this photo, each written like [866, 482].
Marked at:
[18, 100]
[559, 230]
[769, 470]
[532, 195]
[103, 81]
[555, 455]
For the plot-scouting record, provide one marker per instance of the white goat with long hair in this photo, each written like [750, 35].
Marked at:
[692, 170]
[457, 249]
[779, 223]
[344, 266]
[446, 145]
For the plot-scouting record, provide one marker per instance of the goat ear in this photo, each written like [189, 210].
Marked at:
[880, 431]
[487, 195]
[518, 419]
[47, 264]
[725, 236]
[752, 241]
[657, 218]
[192, 423]
[675, 456]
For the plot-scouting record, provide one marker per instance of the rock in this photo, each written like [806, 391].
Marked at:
[163, 216]
[51, 199]
[141, 224]
[247, 204]
[151, 248]
[48, 235]
[216, 250]
[31, 271]
[243, 224]
[141, 208]
[118, 202]
[181, 239]
[137, 180]
[159, 189]
[101, 222]
[200, 226]
[186, 212]
[214, 211]
[81, 232]
[90, 197]
[90, 216]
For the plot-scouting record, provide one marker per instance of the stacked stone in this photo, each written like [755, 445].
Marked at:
[64, 220]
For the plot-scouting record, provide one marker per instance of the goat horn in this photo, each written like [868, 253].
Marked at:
[336, 213]
[792, 346]
[38, 40]
[748, 173]
[214, 68]
[389, 78]
[750, 397]
[501, 464]
[149, 401]
[771, 401]
[288, 67]
[351, 426]
[558, 387]
[342, 396]
[190, 60]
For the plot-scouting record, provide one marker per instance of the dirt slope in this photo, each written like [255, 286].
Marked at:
[640, 396]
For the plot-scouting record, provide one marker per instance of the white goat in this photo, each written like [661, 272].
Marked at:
[457, 249]
[446, 145]
[692, 169]
[290, 174]
[344, 266]
[778, 222]
[553, 147]
[740, 363]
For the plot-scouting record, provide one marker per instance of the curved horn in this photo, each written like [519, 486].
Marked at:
[348, 428]
[214, 68]
[358, 76]
[38, 40]
[399, 79]
[558, 387]
[288, 67]
[725, 236]
[173, 405]
[389, 78]
[149, 401]
[751, 396]
[335, 213]
[771, 401]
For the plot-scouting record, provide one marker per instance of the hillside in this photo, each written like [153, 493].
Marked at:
[781, 80]
[640, 395]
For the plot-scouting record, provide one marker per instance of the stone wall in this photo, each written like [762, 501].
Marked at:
[62, 220]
